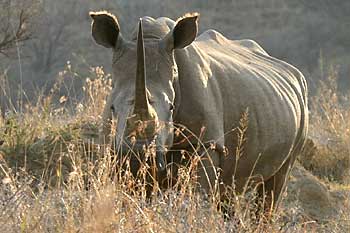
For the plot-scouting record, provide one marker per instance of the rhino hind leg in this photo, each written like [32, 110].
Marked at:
[272, 189]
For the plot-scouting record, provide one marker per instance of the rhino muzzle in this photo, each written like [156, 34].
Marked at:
[137, 150]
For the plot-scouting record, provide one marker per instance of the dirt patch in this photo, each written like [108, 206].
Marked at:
[312, 195]
[315, 205]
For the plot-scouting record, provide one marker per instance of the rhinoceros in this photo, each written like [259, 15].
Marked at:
[165, 76]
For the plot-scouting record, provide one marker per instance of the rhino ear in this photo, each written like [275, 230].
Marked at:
[184, 32]
[105, 29]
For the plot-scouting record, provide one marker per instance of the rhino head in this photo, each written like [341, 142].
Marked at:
[143, 100]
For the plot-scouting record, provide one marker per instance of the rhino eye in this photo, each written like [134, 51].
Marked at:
[171, 107]
[112, 109]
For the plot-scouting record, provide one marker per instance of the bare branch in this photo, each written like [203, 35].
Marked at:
[16, 19]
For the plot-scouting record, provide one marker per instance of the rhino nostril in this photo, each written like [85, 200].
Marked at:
[112, 108]
[140, 126]
[132, 140]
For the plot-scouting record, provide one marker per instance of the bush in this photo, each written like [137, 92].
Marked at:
[327, 153]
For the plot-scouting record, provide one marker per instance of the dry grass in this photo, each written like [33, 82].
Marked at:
[55, 179]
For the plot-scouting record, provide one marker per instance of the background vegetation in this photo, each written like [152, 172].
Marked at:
[302, 32]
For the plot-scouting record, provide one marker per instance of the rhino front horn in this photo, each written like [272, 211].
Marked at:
[141, 100]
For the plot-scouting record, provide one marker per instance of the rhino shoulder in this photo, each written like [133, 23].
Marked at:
[251, 45]
[222, 40]
[167, 21]
[212, 35]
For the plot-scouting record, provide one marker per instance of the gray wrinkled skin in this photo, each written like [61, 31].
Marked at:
[211, 83]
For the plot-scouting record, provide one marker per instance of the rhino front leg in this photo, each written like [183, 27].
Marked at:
[208, 171]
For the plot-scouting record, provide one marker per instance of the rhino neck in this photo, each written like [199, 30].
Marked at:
[179, 57]
[198, 106]
[185, 60]
[183, 90]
